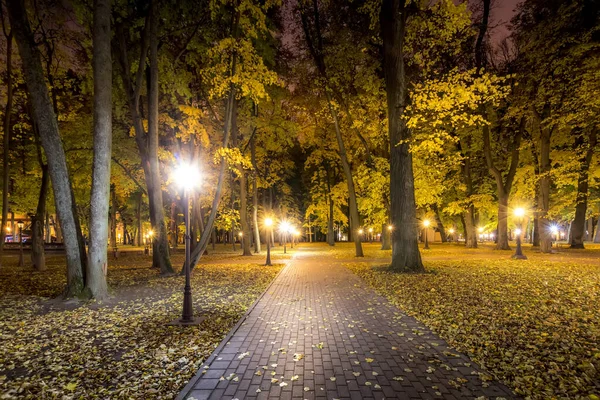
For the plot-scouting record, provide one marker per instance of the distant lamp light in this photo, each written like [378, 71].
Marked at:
[517, 232]
[451, 230]
[426, 223]
[150, 233]
[20, 224]
[8, 229]
[370, 230]
[554, 229]
[268, 222]
[360, 231]
[241, 234]
[519, 212]
[480, 229]
[390, 228]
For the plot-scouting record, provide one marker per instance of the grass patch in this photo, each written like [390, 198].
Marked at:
[534, 324]
[123, 347]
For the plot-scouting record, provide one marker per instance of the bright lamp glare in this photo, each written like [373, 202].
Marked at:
[268, 222]
[451, 230]
[554, 229]
[519, 212]
[426, 223]
[284, 227]
[187, 176]
[517, 232]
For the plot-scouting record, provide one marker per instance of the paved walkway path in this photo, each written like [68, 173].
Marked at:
[320, 333]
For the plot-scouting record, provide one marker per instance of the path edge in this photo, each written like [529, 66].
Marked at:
[209, 360]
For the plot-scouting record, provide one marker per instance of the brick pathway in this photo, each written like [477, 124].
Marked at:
[320, 333]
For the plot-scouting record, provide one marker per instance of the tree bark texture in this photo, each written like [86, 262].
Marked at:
[405, 249]
[49, 135]
[99, 200]
[587, 151]
[6, 138]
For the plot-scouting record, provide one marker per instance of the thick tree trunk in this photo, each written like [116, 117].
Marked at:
[405, 249]
[102, 65]
[502, 234]
[160, 244]
[6, 139]
[48, 128]
[470, 228]
[578, 225]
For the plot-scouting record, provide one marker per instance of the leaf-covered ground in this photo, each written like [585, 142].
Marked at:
[124, 347]
[534, 324]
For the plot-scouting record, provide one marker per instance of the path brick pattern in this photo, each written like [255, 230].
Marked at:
[320, 333]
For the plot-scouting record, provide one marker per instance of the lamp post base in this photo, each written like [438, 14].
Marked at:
[519, 257]
[180, 322]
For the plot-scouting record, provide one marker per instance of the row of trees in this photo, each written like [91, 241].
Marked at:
[489, 125]
[337, 113]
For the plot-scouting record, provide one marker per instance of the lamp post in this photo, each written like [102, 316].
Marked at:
[426, 225]
[371, 235]
[268, 223]
[519, 213]
[241, 235]
[188, 178]
[360, 233]
[451, 232]
[21, 258]
[283, 230]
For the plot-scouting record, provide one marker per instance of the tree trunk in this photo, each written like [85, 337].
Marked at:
[330, 233]
[160, 244]
[37, 225]
[113, 217]
[316, 50]
[102, 65]
[138, 215]
[6, 139]
[255, 188]
[578, 225]
[502, 234]
[48, 128]
[405, 248]
[385, 237]
[470, 228]
[440, 225]
[244, 216]
[173, 223]
[544, 194]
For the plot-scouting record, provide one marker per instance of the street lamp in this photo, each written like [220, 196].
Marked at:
[241, 235]
[451, 232]
[21, 258]
[188, 178]
[519, 213]
[268, 223]
[371, 234]
[426, 225]
[360, 233]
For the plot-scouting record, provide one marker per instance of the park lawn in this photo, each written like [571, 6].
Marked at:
[533, 324]
[123, 347]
